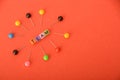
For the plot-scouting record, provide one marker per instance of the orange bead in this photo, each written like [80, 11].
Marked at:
[33, 41]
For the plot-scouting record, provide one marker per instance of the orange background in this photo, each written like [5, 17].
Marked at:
[91, 53]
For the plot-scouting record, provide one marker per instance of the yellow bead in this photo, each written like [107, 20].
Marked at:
[66, 35]
[42, 12]
[17, 23]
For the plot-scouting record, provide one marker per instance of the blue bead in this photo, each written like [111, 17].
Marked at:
[38, 38]
[11, 35]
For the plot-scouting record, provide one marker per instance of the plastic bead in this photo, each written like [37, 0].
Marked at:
[57, 49]
[27, 63]
[66, 35]
[17, 23]
[42, 35]
[10, 35]
[28, 15]
[42, 12]
[45, 57]
[15, 52]
[60, 18]
[33, 41]
[38, 38]
[47, 32]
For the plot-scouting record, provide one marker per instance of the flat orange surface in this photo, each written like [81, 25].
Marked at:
[91, 53]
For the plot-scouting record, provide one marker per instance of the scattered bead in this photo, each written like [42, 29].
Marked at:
[15, 52]
[45, 57]
[17, 23]
[27, 63]
[60, 18]
[66, 35]
[42, 12]
[28, 15]
[10, 35]
[57, 49]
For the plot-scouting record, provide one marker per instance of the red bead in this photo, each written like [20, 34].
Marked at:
[57, 49]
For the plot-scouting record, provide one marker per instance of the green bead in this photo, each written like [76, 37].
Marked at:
[45, 57]
[46, 32]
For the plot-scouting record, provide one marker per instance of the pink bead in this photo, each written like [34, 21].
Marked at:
[57, 49]
[27, 63]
